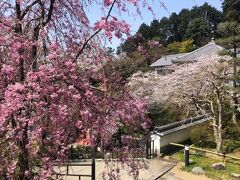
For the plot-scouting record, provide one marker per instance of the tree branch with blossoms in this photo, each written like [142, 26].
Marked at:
[46, 100]
[96, 33]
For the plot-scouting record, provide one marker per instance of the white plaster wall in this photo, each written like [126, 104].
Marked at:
[156, 139]
[175, 137]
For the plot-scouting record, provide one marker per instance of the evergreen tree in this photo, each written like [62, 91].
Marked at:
[155, 29]
[174, 28]
[199, 31]
[231, 10]
[145, 31]
[165, 32]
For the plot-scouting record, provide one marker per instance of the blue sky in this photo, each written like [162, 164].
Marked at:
[135, 21]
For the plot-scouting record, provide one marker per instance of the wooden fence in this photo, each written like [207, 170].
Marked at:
[207, 151]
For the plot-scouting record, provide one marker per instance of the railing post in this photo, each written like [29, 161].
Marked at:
[186, 153]
[71, 152]
[153, 153]
[93, 169]
[67, 169]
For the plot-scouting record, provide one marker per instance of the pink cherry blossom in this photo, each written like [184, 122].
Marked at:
[108, 2]
[49, 55]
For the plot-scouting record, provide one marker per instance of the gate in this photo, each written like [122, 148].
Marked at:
[150, 149]
[92, 175]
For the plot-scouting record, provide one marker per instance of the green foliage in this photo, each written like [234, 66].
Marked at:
[228, 41]
[156, 38]
[186, 46]
[164, 31]
[155, 29]
[129, 65]
[199, 31]
[180, 47]
[231, 10]
[230, 145]
[172, 29]
[231, 131]
[209, 13]
[145, 31]
[226, 29]
[229, 33]
[130, 45]
[202, 136]
[133, 62]
[173, 48]
[81, 152]
[161, 115]
[224, 52]
[229, 30]
[174, 25]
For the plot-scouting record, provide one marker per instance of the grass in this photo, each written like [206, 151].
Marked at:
[205, 163]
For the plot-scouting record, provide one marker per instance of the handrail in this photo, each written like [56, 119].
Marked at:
[66, 164]
[82, 175]
[92, 165]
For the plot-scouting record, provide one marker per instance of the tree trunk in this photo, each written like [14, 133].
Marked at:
[23, 155]
[23, 162]
[34, 47]
[18, 30]
[234, 113]
[218, 124]
[234, 96]
[219, 141]
[217, 136]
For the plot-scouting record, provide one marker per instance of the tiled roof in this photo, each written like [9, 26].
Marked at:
[173, 127]
[167, 60]
[209, 49]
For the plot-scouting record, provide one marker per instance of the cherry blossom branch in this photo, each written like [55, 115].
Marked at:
[50, 12]
[93, 35]
[49, 107]
[7, 25]
[18, 30]
[27, 9]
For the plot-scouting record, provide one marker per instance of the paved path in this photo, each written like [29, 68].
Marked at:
[156, 168]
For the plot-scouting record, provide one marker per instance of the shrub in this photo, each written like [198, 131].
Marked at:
[163, 114]
[224, 53]
[180, 47]
[202, 136]
[81, 152]
[230, 145]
